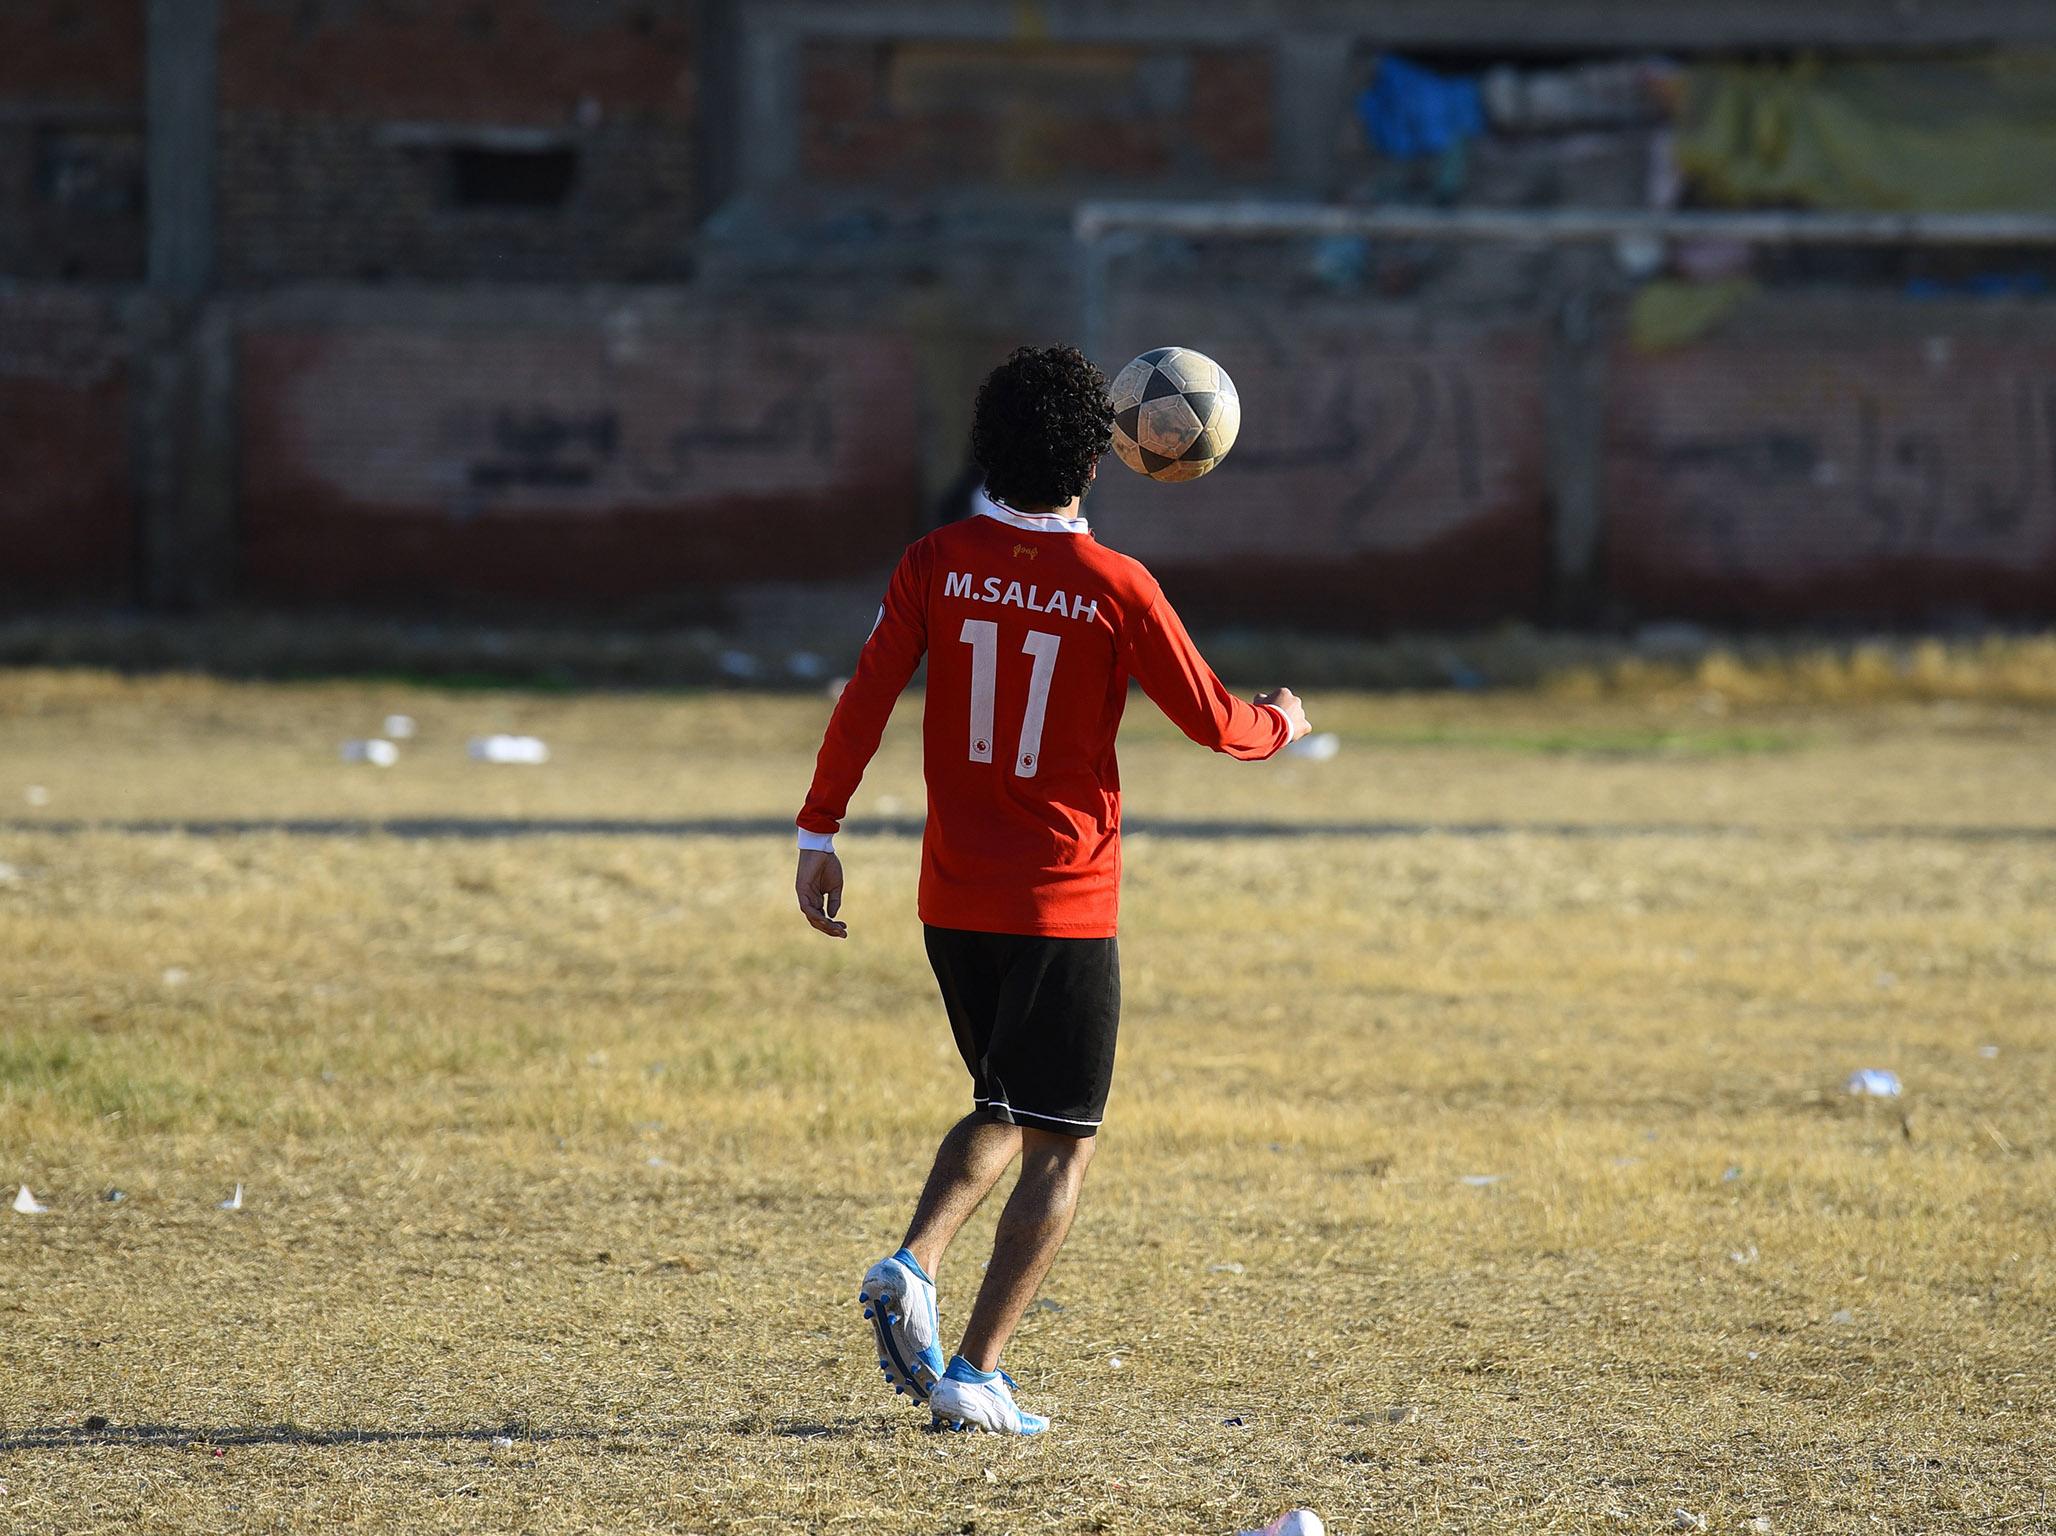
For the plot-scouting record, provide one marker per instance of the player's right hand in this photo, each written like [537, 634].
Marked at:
[819, 887]
[1295, 712]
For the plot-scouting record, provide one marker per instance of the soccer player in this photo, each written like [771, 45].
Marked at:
[1032, 630]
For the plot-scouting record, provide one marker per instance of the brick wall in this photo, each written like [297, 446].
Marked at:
[67, 515]
[71, 139]
[1820, 460]
[536, 140]
[1390, 472]
[624, 462]
[909, 114]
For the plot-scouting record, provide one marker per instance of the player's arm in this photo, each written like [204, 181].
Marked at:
[889, 657]
[1177, 679]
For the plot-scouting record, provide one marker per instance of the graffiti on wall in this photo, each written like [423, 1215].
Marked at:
[587, 460]
[1775, 467]
[1376, 449]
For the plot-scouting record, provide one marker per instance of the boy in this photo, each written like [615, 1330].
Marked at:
[1032, 631]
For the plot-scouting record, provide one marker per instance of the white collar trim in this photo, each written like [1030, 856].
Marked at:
[983, 505]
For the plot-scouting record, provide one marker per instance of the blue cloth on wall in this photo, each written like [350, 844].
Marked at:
[1409, 112]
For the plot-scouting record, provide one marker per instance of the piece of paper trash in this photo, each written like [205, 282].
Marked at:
[9, 875]
[377, 752]
[36, 795]
[176, 975]
[1481, 1180]
[503, 1442]
[1759, 1524]
[1229, 1268]
[1988, 1051]
[1294, 1522]
[508, 749]
[1873, 1083]
[1115, 1362]
[399, 727]
[1743, 1255]
[1732, 1173]
[1316, 748]
[28, 1204]
[1685, 1520]
[234, 1202]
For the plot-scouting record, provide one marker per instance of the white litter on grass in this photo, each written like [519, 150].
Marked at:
[1733, 1173]
[1758, 1524]
[1988, 1051]
[1115, 1362]
[508, 749]
[1481, 1180]
[1744, 1255]
[1685, 1520]
[176, 975]
[503, 1442]
[1230, 1268]
[9, 875]
[377, 752]
[234, 1202]
[1844, 1316]
[400, 727]
[1294, 1522]
[1873, 1083]
[1317, 748]
[28, 1204]
[36, 795]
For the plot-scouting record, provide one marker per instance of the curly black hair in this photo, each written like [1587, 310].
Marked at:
[1042, 421]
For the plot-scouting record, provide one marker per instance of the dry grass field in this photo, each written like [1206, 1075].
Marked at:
[1478, 1159]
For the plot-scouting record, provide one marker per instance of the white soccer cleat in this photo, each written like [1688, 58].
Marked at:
[899, 1301]
[968, 1398]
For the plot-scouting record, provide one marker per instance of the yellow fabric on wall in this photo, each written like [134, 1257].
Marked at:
[1940, 135]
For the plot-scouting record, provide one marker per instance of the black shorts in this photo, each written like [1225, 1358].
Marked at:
[1035, 1020]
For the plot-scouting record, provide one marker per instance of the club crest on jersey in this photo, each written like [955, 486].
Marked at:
[1011, 594]
[1026, 549]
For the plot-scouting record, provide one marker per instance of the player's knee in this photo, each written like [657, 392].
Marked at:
[1060, 1154]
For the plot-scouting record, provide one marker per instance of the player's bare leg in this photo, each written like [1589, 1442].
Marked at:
[968, 1163]
[1031, 1230]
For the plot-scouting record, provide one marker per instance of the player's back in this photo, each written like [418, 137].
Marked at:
[1032, 630]
[1029, 622]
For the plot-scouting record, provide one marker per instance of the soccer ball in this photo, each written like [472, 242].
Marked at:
[1176, 414]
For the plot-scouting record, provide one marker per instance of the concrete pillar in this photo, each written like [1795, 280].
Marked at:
[185, 346]
[768, 126]
[1310, 75]
[180, 116]
[1576, 427]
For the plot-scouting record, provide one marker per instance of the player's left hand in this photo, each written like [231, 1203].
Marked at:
[819, 886]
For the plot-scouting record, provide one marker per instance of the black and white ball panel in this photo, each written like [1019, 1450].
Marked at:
[1176, 414]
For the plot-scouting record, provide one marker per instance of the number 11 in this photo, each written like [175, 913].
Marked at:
[982, 635]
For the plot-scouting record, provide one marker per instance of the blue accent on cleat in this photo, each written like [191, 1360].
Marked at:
[899, 1304]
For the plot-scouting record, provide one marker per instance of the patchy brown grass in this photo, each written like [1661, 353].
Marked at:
[582, 1141]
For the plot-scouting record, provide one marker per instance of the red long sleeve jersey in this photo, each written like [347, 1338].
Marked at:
[1032, 631]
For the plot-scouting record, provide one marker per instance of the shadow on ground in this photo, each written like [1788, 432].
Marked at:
[77, 1436]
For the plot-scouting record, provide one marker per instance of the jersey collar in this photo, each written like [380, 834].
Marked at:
[983, 505]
